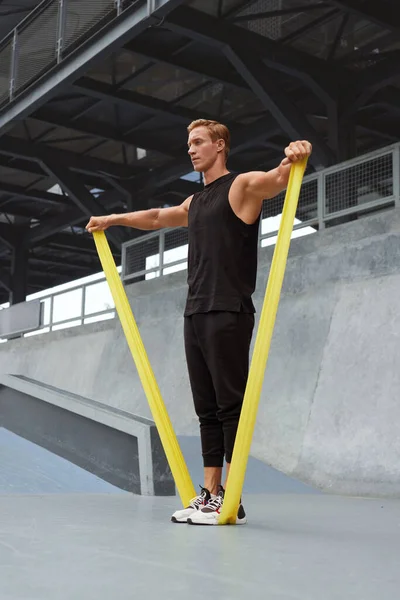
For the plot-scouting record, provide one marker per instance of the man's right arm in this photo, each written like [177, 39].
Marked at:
[147, 220]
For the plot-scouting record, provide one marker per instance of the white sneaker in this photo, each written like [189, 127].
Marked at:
[181, 516]
[209, 515]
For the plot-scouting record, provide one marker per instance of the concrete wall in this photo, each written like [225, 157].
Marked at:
[330, 402]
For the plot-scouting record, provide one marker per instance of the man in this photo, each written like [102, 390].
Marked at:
[223, 223]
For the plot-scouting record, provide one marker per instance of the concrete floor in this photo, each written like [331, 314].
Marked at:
[73, 539]
[95, 547]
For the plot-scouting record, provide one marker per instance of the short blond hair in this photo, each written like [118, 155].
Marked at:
[216, 130]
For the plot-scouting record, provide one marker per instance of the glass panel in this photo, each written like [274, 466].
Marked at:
[98, 298]
[67, 306]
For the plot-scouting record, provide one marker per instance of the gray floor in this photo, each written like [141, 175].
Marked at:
[71, 539]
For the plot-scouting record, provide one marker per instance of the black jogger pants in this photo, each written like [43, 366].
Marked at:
[217, 348]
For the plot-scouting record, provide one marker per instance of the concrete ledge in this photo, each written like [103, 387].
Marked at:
[113, 444]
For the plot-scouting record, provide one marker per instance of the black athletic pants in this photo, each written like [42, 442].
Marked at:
[217, 347]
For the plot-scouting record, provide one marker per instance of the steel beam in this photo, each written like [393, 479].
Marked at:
[217, 69]
[24, 149]
[75, 188]
[27, 166]
[101, 130]
[77, 244]
[219, 33]
[53, 225]
[7, 235]
[20, 165]
[389, 98]
[318, 22]
[13, 208]
[5, 280]
[39, 279]
[385, 72]
[82, 198]
[47, 198]
[339, 34]
[44, 261]
[292, 120]
[130, 99]
[134, 20]
[390, 132]
[368, 50]
[385, 14]
[301, 8]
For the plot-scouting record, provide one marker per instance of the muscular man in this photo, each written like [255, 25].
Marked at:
[223, 221]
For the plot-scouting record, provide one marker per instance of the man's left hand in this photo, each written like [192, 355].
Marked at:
[297, 151]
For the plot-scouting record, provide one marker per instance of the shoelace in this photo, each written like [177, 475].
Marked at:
[197, 500]
[215, 503]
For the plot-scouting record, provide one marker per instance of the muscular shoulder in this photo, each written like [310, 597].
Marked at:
[251, 181]
[244, 202]
[262, 185]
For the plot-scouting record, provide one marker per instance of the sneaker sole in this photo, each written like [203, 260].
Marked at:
[190, 522]
[175, 520]
[238, 522]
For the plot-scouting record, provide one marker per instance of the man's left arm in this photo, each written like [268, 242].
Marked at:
[268, 184]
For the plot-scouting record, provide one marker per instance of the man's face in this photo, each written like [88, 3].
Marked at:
[202, 150]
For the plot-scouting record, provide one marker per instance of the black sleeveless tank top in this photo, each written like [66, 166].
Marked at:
[223, 250]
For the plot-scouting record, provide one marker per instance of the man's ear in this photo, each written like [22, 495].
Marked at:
[221, 145]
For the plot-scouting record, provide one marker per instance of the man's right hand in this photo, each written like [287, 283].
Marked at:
[98, 223]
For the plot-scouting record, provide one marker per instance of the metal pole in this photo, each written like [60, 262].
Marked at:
[396, 175]
[118, 6]
[151, 7]
[51, 313]
[260, 226]
[123, 261]
[62, 11]
[14, 61]
[83, 306]
[161, 251]
[321, 201]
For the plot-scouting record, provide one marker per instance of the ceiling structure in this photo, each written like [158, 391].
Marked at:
[272, 70]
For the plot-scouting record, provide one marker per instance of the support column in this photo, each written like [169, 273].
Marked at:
[342, 139]
[342, 128]
[19, 274]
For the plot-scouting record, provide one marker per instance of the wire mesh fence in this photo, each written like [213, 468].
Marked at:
[358, 184]
[175, 250]
[50, 32]
[83, 18]
[5, 71]
[142, 257]
[36, 47]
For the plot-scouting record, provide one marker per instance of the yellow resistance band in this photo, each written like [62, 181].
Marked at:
[261, 349]
[167, 435]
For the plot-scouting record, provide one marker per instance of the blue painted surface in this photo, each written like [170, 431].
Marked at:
[26, 468]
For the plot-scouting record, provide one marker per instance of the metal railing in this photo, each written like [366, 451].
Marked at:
[355, 187]
[52, 31]
[78, 305]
